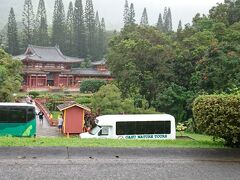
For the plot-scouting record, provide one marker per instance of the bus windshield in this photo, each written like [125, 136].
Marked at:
[95, 130]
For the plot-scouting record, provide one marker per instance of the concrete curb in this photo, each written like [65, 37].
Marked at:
[232, 155]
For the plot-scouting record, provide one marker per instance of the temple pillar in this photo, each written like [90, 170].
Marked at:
[67, 80]
[30, 79]
[46, 80]
[36, 80]
[27, 80]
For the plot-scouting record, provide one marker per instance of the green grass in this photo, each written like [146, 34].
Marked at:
[201, 141]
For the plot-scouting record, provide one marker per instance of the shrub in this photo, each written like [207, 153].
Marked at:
[91, 85]
[34, 94]
[181, 128]
[219, 116]
[108, 100]
[84, 100]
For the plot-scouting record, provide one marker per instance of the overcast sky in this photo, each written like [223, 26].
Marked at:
[112, 10]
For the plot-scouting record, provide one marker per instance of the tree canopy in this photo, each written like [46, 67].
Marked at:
[169, 69]
[10, 76]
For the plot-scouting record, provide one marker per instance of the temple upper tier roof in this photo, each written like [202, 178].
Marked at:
[47, 54]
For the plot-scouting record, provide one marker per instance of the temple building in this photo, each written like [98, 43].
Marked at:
[46, 68]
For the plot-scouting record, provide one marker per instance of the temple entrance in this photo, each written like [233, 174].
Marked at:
[50, 82]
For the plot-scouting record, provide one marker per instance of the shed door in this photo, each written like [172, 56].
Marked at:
[74, 120]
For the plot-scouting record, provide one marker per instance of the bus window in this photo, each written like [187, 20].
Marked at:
[30, 114]
[143, 127]
[12, 114]
[104, 131]
[95, 130]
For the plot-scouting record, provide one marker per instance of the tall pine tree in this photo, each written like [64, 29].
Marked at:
[179, 26]
[160, 22]
[79, 30]
[90, 27]
[28, 23]
[12, 34]
[169, 19]
[165, 13]
[41, 37]
[58, 27]
[97, 37]
[70, 31]
[131, 15]
[103, 43]
[126, 13]
[144, 19]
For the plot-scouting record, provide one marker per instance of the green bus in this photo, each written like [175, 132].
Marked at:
[17, 119]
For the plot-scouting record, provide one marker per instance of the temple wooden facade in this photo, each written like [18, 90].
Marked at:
[46, 68]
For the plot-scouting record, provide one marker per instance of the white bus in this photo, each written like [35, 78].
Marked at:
[141, 126]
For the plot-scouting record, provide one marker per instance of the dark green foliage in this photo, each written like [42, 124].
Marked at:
[28, 23]
[40, 33]
[179, 26]
[233, 11]
[167, 20]
[108, 100]
[12, 34]
[97, 37]
[126, 13]
[91, 85]
[34, 94]
[131, 15]
[10, 76]
[175, 100]
[144, 19]
[58, 27]
[218, 70]
[84, 100]
[90, 28]
[87, 63]
[160, 22]
[219, 116]
[70, 48]
[102, 40]
[79, 30]
[140, 60]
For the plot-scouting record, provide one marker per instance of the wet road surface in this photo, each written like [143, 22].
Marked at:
[119, 163]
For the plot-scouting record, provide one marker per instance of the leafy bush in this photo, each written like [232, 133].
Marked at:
[175, 100]
[84, 100]
[91, 85]
[108, 101]
[181, 128]
[219, 116]
[34, 94]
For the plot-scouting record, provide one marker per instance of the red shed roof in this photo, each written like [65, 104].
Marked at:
[65, 106]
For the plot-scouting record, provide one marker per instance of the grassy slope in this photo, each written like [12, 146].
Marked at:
[200, 141]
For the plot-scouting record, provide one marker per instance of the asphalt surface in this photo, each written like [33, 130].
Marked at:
[118, 163]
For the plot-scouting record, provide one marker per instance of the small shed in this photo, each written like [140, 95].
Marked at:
[73, 117]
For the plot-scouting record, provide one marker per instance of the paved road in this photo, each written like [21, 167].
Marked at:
[119, 163]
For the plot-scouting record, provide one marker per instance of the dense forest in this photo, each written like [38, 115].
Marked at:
[169, 69]
[79, 32]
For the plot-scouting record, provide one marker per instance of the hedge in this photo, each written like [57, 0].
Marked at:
[219, 116]
[91, 85]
